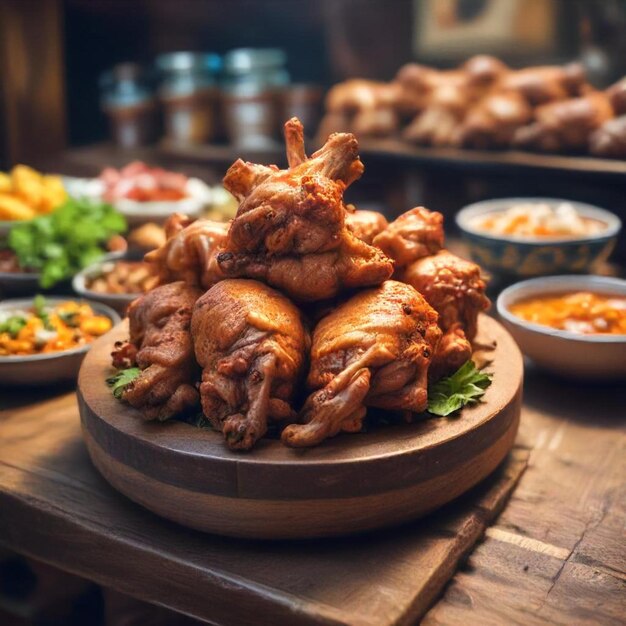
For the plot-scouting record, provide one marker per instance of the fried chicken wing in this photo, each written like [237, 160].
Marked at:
[160, 345]
[290, 229]
[565, 125]
[313, 277]
[373, 350]
[411, 236]
[453, 350]
[453, 287]
[550, 83]
[609, 141]
[364, 107]
[617, 96]
[494, 120]
[251, 343]
[189, 254]
[365, 225]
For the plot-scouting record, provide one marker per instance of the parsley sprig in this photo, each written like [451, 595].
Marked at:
[466, 386]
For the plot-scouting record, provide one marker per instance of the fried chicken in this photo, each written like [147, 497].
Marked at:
[365, 225]
[290, 228]
[566, 125]
[189, 253]
[411, 236]
[251, 343]
[609, 141]
[493, 121]
[364, 107]
[540, 85]
[452, 286]
[160, 345]
[453, 350]
[373, 350]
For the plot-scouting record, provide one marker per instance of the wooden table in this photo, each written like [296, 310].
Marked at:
[556, 554]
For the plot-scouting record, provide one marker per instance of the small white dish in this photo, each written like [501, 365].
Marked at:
[588, 357]
[45, 369]
[199, 198]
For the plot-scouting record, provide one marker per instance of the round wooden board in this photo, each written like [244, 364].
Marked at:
[348, 484]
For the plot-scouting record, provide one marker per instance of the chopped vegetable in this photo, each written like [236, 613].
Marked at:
[43, 329]
[60, 244]
[122, 379]
[466, 386]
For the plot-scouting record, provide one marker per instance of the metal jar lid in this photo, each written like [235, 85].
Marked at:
[200, 62]
[248, 60]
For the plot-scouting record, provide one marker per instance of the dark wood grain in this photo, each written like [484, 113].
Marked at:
[54, 506]
[32, 83]
[349, 484]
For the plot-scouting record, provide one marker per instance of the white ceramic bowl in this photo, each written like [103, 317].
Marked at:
[588, 357]
[46, 369]
[200, 197]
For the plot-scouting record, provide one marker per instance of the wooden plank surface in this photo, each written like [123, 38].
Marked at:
[557, 554]
[55, 507]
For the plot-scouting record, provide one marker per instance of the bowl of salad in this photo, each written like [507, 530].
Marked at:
[44, 340]
[517, 238]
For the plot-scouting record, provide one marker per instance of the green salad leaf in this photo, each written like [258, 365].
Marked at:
[121, 380]
[65, 241]
[466, 386]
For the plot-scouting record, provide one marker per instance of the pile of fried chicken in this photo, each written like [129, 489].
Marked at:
[303, 312]
[485, 104]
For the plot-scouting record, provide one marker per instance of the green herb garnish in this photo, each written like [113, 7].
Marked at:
[65, 241]
[39, 304]
[466, 386]
[13, 325]
[121, 380]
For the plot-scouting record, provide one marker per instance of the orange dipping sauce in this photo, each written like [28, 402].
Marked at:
[581, 312]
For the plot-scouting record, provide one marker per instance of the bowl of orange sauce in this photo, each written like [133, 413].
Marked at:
[516, 238]
[574, 326]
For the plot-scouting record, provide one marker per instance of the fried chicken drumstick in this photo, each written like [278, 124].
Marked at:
[290, 229]
[251, 343]
[160, 345]
[189, 254]
[453, 287]
[373, 350]
[411, 236]
[365, 225]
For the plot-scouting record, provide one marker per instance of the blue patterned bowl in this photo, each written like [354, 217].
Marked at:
[511, 258]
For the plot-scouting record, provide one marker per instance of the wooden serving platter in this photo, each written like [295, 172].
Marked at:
[349, 484]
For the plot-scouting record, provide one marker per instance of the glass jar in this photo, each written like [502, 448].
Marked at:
[254, 82]
[189, 95]
[128, 101]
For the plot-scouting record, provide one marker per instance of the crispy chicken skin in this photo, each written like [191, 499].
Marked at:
[365, 225]
[373, 350]
[411, 236]
[161, 346]
[251, 343]
[452, 286]
[290, 228]
[189, 254]
[453, 350]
